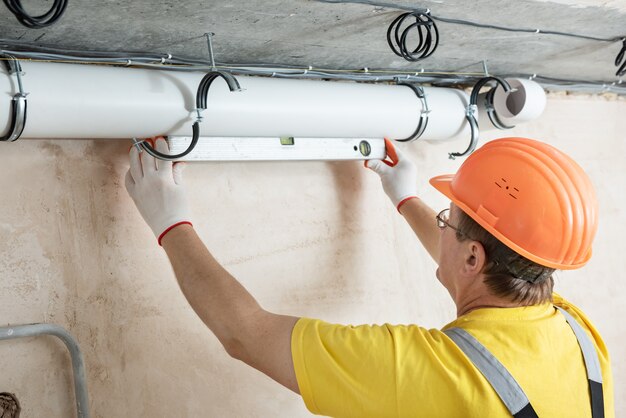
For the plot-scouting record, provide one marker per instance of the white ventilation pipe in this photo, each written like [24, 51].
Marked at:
[524, 103]
[91, 101]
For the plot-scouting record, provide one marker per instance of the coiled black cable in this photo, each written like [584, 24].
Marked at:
[426, 30]
[37, 22]
[620, 60]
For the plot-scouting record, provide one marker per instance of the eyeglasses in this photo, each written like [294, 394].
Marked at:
[443, 221]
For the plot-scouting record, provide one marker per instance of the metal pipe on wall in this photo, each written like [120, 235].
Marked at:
[92, 101]
[78, 366]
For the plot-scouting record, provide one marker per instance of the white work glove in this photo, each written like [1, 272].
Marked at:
[399, 177]
[157, 189]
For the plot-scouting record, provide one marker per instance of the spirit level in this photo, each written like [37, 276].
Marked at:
[279, 148]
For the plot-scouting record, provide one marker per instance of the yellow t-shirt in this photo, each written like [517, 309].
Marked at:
[408, 371]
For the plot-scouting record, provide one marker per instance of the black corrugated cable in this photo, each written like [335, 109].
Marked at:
[28, 51]
[620, 60]
[470, 23]
[37, 22]
[524, 30]
[426, 12]
[425, 29]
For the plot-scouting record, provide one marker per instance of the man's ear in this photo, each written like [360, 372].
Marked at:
[475, 258]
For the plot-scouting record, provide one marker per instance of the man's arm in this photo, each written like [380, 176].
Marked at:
[422, 220]
[399, 180]
[247, 332]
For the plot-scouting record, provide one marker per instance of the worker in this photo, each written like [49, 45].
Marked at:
[520, 209]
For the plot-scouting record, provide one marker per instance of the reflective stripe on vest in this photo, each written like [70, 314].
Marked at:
[509, 390]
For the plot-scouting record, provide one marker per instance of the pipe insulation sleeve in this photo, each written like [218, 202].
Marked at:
[91, 101]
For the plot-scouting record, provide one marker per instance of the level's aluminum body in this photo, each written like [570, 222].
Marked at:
[277, 149]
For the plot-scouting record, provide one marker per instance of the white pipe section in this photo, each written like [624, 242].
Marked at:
[446, 119]
[91, 101]
[526, 102]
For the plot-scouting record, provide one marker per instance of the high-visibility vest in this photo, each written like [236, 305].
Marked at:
[509, 390]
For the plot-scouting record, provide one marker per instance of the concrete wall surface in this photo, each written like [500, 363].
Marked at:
[313, 239]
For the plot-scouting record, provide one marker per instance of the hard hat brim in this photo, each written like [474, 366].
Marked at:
[443, 184]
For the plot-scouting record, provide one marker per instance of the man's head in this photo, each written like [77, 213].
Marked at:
[521, 209]
[505, 274]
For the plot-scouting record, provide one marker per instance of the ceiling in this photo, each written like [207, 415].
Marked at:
[341, 36]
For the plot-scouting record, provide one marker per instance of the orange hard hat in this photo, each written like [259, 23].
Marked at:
[530, 196]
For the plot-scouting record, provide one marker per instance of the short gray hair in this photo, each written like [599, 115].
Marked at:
[508, 274]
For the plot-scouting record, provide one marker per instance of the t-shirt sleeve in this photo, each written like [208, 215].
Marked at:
[345, 370]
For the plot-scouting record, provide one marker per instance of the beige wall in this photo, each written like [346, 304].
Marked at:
[311, 239]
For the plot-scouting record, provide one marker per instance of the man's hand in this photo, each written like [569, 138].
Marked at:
[157, 190]
[399, 177]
